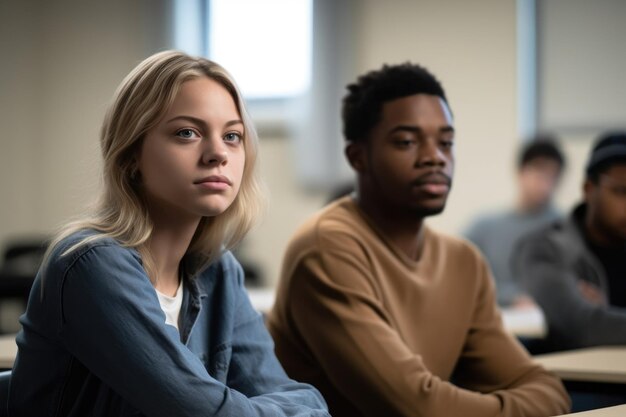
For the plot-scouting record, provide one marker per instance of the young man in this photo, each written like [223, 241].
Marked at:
[539, 169]
[576, 269]
[377, 310]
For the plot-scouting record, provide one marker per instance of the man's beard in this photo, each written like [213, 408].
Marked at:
[421, 212]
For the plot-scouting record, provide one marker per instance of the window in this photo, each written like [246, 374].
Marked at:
[267, 48]
[266, 45]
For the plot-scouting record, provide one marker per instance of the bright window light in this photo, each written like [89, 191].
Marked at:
[266, 45]
[188, 26]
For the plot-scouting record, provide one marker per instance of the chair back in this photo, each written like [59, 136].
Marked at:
[5, 378]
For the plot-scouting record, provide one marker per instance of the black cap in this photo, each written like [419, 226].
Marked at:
[609, 147]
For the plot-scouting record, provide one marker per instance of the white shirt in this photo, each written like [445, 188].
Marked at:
[171, 305]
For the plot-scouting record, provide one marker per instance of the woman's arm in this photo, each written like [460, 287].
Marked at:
[254, 369]
[113, 325]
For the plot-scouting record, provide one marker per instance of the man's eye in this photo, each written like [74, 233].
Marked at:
[620, 191]
[402, 143]
[447, 144]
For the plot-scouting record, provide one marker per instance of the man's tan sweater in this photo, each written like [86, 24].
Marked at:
[382, 335]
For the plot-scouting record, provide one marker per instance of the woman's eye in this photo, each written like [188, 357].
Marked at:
[232, 137]
[186, 134]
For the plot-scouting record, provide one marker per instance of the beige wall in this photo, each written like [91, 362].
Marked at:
[62, 61]
[470, 46]
[19, 117]
[67, 57]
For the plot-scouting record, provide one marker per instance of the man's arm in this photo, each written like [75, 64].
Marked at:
[494, 361]
[554, 285]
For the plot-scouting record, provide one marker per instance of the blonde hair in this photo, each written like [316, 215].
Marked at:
[139, 103]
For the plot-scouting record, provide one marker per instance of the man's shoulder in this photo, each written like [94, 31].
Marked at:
[453, 242]
[458, 260]
[455, 248]
[558, 232]
[560, 240]
[339, 219]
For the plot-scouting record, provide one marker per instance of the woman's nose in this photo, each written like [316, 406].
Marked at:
[214, 151]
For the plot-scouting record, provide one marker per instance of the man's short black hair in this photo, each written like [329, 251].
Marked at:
[362, 106]
[541, 146]
[609, 150]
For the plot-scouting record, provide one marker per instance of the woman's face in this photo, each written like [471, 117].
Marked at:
[192, 162]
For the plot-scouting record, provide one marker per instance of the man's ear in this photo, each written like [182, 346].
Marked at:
[588, 189]
[357, 156]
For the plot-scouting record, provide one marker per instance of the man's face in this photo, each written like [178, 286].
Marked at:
[409, 158]
[606, 203]
[538, 179]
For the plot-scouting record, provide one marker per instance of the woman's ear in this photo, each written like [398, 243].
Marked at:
[357, 156]
[134, 171]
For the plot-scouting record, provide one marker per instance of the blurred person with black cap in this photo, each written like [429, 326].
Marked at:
[576, 269]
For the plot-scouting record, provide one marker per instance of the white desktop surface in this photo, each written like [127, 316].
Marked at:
[262, 299]
[597, 364]
[617, 411]
[8, 351]
[525, 322]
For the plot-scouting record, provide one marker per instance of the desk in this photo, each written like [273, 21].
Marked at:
[262, 299]
[617, 411]
[594, 377]
[525, 322]
[8, 350]
[598, 364]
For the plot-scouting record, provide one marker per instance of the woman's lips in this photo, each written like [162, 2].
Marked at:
[214, 183]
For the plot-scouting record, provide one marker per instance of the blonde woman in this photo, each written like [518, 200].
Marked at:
[140, 309]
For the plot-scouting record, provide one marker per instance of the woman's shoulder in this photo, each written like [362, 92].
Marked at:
[226, 267]
[226, 263]
[91, 247]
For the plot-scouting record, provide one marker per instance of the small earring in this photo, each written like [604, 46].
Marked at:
[134, 174]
